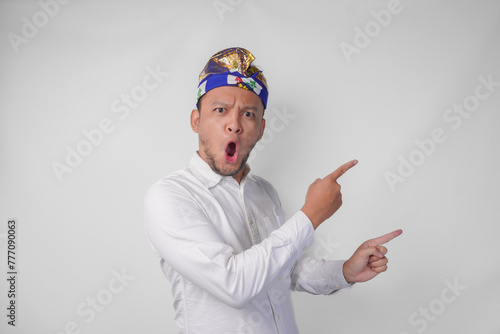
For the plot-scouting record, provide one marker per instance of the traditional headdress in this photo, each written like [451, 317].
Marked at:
[232, 67]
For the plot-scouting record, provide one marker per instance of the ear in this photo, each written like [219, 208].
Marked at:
[262, 127]
[195, 120]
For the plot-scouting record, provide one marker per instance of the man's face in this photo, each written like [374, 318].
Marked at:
[229, 125]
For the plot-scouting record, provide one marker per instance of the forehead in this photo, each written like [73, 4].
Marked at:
[231, 95]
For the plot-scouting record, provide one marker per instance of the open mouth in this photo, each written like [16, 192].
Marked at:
[231, 152]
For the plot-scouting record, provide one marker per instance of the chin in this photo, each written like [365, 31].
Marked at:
[228, 169]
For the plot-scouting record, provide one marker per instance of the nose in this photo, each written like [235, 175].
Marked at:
[234, 124]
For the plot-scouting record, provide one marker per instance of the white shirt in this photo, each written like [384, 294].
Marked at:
[229, 254]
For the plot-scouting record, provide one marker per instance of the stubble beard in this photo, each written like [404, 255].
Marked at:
[213, 164]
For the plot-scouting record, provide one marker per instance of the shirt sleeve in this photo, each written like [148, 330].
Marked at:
[311, 275]
[318, 277]
[184, 237]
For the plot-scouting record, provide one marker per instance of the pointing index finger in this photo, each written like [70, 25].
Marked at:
[342, 169]
[385, 238]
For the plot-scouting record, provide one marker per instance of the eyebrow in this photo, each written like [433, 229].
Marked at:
[220, 103]
[250, 108]
[225, 104]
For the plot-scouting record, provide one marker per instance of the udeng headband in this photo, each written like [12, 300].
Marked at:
[233, 67]
[233, 78]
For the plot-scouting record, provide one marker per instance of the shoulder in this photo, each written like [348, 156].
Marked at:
[175, 184]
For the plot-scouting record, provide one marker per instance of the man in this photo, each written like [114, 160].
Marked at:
[224, 243]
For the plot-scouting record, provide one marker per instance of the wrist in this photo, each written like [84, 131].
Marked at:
[345, 270]
[311, 217]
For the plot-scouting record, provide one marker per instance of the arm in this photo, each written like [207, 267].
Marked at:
[184, 237]
[325, 277]
[318, 277]
[323, 199]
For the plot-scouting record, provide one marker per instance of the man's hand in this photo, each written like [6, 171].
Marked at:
[323, 197]
[369, 259]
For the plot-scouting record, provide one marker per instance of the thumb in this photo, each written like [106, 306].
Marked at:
[365, 253]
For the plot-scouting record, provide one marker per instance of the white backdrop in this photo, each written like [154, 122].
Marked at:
[95, 104]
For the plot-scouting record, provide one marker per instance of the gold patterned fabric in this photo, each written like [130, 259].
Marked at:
[233, 67]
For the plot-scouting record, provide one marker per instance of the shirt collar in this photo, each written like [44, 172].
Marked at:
[204, 172]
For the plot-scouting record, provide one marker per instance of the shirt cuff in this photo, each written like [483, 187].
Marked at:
[304, 232]
[336, 275]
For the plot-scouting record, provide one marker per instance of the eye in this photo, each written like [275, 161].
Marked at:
[219, 110]
[249, 114]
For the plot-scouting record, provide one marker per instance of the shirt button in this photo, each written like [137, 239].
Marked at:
[279, 317]
[281, 277]
[337, 286]
[304, 249]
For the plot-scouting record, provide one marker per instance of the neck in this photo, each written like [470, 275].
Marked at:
[241, 174]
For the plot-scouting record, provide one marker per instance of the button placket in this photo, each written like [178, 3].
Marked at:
[250, 220]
